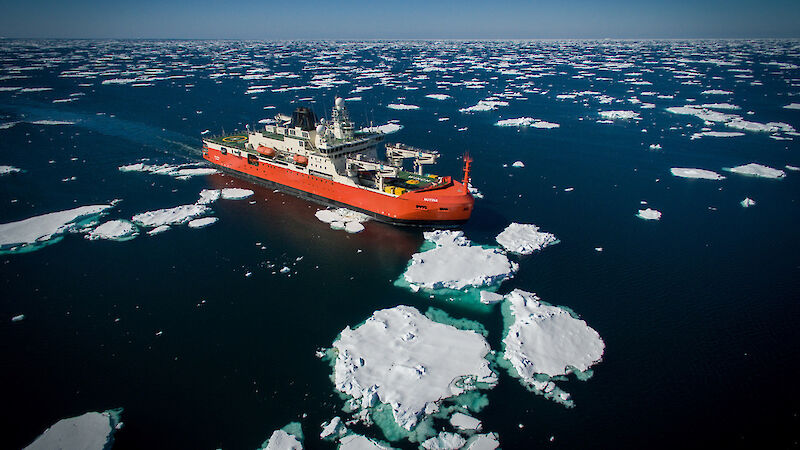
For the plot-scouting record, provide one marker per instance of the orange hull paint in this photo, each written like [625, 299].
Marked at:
[448, 205]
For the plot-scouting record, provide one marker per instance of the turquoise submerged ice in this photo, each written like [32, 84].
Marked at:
[36, 232]
[403, 359]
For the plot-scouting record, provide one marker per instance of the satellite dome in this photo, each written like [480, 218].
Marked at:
[339, 102]
[320, 129]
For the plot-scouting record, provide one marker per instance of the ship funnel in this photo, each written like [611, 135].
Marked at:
[304, 118]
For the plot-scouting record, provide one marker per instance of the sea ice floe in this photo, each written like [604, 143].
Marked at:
[91, 431]
[622, 115]
[716, 92]
[444, 441]
[343, 219]
[401, 358]
[484, 105]
[462, 421]
[401, 106]
[747, 202]
[180, 171]
[454, 263]
[35, 232]
[333, 430]
[792, 106]
[208, 196]
[518, 164]
[289, 437]
[170, 216]
[114, 230]
[489, 441]
[388, 128]
[5, 170]
[524, 239]
[236, 193]
[696, 173]
[649, 214]
[757, 170]
[526, 122]
[202, 222]
[722, 134]
[438, 96]
[358, 442]
[544, 341]
[490, 298]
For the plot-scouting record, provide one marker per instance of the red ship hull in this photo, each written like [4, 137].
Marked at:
[446, 204]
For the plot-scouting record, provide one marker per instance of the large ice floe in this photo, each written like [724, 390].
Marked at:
[36, 232]
[757, 170]
[448, 262]
[343, 219]
[114, 230]
[289, 437]
[696, 173]
[398, 367]
[170, 216]
[544, 341]
[179, 171]
[526, 122]
[91, 431]
[525, 239]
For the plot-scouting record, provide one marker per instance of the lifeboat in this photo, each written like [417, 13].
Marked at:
[300, 159]
[266, 151]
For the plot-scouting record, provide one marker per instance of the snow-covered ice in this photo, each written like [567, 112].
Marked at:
[649, 214]
[25, 234]
[464, 422]
[289, 437]
[401, 106]
[93, 430]
[490, 298]
[438, 96]
[526, 122]
[524, 239]
[455, 263]
[236, 193]
[792, 106]
[359, 442]
[489, 441]
[202, 222]
[208, 196]
[115, 230]
[403, 359]
[444, 441]
[5, 170]
[545, 340]
[387, 128]
[170, 216]
[518, 164]
[181, 171]
[757, 170]
[696, 173]
[747, 202]
[621, 115]
[343, 219]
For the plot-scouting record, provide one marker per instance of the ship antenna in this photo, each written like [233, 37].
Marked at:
[467, 162]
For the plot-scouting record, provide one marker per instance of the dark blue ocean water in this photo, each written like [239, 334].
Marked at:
[698, 311]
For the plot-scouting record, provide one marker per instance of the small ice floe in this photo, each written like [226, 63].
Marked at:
[388, 128]
[649, 214]
[52, 122]
[208, 196]
[343, 219]
[438, 96]
[289, 437]
[179, 171]
[524, 239]
[205, 132]
[114, 230]
[747, 202]
[36, 232]
[598, 249]
[18, 318]
[544, 341]
[526, 122]
[444, 441]
[462, 421]
[696, 173]
[655, 146]
[358, 442]
[91, 431]
[170, 216]
[518, 164]
[489, 441]
[792, 168]
[757, 170]
[619, 115]
[720, 134]
[333, 430]
[202, 222]
[401, 359]
[401, 106]
[483, 105]
[792, 106]
[474, 191]
[716, 92]
[236, 193]
[5, 170]
[454, 263]
[490, 298]
[157, 230]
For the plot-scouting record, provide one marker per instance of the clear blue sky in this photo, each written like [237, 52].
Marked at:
[399, 19]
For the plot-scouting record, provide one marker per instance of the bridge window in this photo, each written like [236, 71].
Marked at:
[252, 160]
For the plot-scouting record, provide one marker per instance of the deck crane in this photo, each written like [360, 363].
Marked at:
[396, 153]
